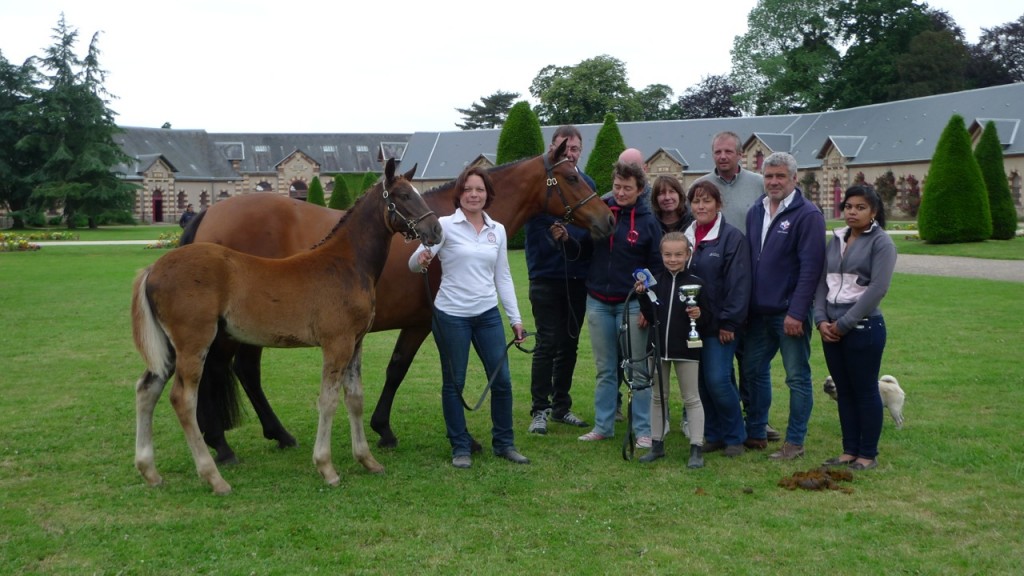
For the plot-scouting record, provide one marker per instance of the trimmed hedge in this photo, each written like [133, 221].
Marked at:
[954, 203]
[989, 154]
[607, 146]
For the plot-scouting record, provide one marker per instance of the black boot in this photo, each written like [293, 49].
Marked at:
[696, 457]
[657, 451]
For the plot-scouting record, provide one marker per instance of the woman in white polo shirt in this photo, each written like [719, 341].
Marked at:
[475, 275]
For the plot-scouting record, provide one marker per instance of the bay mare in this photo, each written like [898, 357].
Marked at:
[205, 296]
[275, 227]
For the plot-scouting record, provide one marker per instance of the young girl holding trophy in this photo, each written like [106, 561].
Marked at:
[673, 307]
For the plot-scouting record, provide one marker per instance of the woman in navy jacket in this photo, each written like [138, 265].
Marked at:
[721, 257]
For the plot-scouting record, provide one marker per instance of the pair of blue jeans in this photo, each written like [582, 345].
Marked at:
[854, 363]
[723, 417]
[764, 339]
[453, 335]
[605, 320]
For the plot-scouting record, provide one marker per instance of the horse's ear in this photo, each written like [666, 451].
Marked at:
[389, 171]
[408, 175]
[559, 152]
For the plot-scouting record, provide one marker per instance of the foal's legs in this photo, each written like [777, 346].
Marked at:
[147, 392]
[183, 399]
[352, 380]
[338, 356]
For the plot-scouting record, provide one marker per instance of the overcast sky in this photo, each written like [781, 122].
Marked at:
[397, 66]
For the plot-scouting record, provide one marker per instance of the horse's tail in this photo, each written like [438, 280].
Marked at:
[189, 235]
[150, 339]
[218, 398]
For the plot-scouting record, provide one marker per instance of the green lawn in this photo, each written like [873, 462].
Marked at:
[946, 498]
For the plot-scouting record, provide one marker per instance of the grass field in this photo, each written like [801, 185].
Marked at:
[947, 497]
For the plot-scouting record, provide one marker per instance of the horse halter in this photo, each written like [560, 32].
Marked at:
[552, 182]
[410, 232]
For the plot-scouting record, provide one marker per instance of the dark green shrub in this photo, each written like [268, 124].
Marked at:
[607, 146]
[315, 194]
[954, 203]
[341, 198]
[989, 154]
[369, 179]
[520, 136]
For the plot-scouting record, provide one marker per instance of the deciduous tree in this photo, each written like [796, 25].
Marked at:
[711, 98]
[584, 93]
[1005, 43]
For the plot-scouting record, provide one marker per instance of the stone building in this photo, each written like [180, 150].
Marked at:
[833, 150]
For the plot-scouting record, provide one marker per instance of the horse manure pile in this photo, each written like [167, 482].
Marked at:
[819, 479]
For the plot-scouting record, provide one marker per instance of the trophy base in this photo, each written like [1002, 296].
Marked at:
[694, 344]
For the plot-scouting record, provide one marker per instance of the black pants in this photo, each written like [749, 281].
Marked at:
[558, 309]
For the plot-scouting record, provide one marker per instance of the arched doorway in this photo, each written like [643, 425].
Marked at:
[298, 190]
[158, 206]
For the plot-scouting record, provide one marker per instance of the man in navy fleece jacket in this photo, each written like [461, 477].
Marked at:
[786, 233]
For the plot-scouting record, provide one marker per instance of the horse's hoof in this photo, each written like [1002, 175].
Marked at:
[378, 470]
[391, 442]
[229, 459]
[222, 490]
[287, 441]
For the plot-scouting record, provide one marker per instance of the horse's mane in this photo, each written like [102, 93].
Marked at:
[375, 189]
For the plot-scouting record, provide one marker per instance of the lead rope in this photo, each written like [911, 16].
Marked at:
[629, 445]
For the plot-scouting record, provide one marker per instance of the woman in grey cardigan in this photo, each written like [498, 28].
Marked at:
[860, 259]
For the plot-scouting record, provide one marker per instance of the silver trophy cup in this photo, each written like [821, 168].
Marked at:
[688, 296]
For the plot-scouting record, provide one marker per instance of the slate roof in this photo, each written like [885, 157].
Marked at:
[199, 155]
[889, 133]
[895, 132]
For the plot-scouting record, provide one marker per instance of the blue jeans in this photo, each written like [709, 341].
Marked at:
[764, 339]
[604, 319]
[453, 335]
[723, 418]
[854, 363]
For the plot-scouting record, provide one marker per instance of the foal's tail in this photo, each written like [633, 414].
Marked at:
[150, 339]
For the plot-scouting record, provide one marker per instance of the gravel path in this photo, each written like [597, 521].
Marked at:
[1010, 270]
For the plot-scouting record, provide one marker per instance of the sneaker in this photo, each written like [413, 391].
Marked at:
[539, 425]
[464, 461]
[772, 434]
[788, 452]
[592, 436]
[644, 442]
[571, 419]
